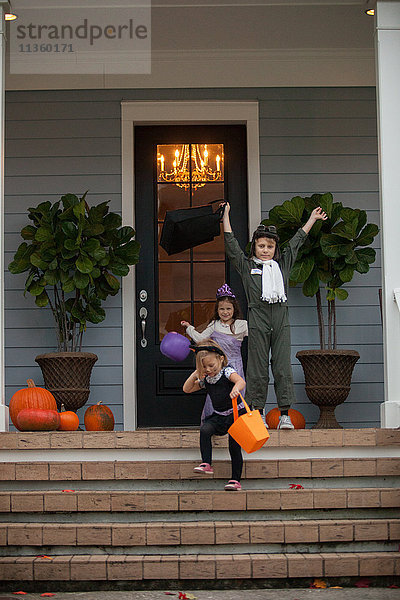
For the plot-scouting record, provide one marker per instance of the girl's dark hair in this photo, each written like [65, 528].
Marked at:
[237, 313]
[265, 231]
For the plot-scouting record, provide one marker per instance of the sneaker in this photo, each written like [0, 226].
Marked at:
[204, 468]
[285, 422]
[233, 486]
[261, 411]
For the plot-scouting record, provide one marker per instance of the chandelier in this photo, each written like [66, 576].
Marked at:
[191, 167]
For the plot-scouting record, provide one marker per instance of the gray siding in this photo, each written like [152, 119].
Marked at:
[311, 140]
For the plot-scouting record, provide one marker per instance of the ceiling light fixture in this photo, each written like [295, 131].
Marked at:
[370, 12]
[10, 17]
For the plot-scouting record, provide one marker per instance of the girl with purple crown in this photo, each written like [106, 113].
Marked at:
[227, 329]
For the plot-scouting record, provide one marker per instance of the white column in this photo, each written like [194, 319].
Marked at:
[4, 420]
[387, 42]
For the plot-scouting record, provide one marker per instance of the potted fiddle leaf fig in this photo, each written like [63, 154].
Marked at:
[335, 250]
[73, 255]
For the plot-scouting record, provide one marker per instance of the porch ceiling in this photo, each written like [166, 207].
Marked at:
[207, 43]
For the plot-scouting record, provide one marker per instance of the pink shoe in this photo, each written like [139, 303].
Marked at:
[233, 486]
[204, 468]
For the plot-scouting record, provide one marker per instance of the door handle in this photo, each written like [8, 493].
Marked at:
[143, 316]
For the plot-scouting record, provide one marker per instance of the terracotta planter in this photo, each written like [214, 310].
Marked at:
[67, 376]
[327, 376]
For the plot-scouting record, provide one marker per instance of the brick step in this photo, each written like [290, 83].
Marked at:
[189, 438]
[199, 533]
[183, 470]
[206, 500]
[195, 567]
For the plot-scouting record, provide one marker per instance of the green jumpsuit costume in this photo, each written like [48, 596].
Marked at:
[269, 328]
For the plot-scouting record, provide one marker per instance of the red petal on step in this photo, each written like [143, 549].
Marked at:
[363, 583]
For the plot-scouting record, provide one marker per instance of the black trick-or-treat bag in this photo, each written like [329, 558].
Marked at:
[189, 227]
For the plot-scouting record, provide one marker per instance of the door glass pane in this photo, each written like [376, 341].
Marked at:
[207, 193]
[211, 251]
[207, 278]
[188, 175]
[171, 197]
[174, 281]
[203, 313]
[170, 316]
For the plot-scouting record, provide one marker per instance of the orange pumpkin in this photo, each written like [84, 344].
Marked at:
[272, 418]
[99, 418]
[69, 420]
[37, 419]
[31, 397]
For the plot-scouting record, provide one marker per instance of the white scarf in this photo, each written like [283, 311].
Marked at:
[273, 289]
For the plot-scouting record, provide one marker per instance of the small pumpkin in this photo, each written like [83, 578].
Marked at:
[31, 397]
[272, 418]
[69, 420]
[99, 418]
[38, 419]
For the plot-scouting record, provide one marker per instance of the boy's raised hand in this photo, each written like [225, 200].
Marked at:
[185, 324]
[318, 213]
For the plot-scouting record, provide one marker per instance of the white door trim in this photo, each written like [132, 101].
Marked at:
[174, 113]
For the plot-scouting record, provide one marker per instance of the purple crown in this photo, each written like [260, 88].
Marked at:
[225, 290]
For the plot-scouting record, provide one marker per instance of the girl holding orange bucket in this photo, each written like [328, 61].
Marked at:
[222, 383]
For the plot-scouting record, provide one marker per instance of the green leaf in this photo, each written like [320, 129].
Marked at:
[326, 203]
[91, 245]
[341, 294]
[93, 229]
[69, 228]
[112, 221]
[367, 255]
[52, 277]
[69, 200]
[292, 210]
[36, 261]
[311, 286]
[28, 232]
[362, 220]
[301, 269]
[367, 235]
[68, 285]
[348, 214]
[42, 300]
[332, 245]
[81, 280]
[35, 288]
[124, 234]
[112, 281]
[22, 259]
[362, 267]
[351, 258]
[84, 264]
[118, 268]
[79, 209]
[99, 254]
[43, 234]
[346, 274]
[71, 244]
[97, 213]
[346, 229]
[95, 315]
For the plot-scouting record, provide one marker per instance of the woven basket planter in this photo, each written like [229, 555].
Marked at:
[67, 376]
[327, 376]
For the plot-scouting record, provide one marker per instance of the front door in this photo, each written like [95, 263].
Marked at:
[179, 167]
